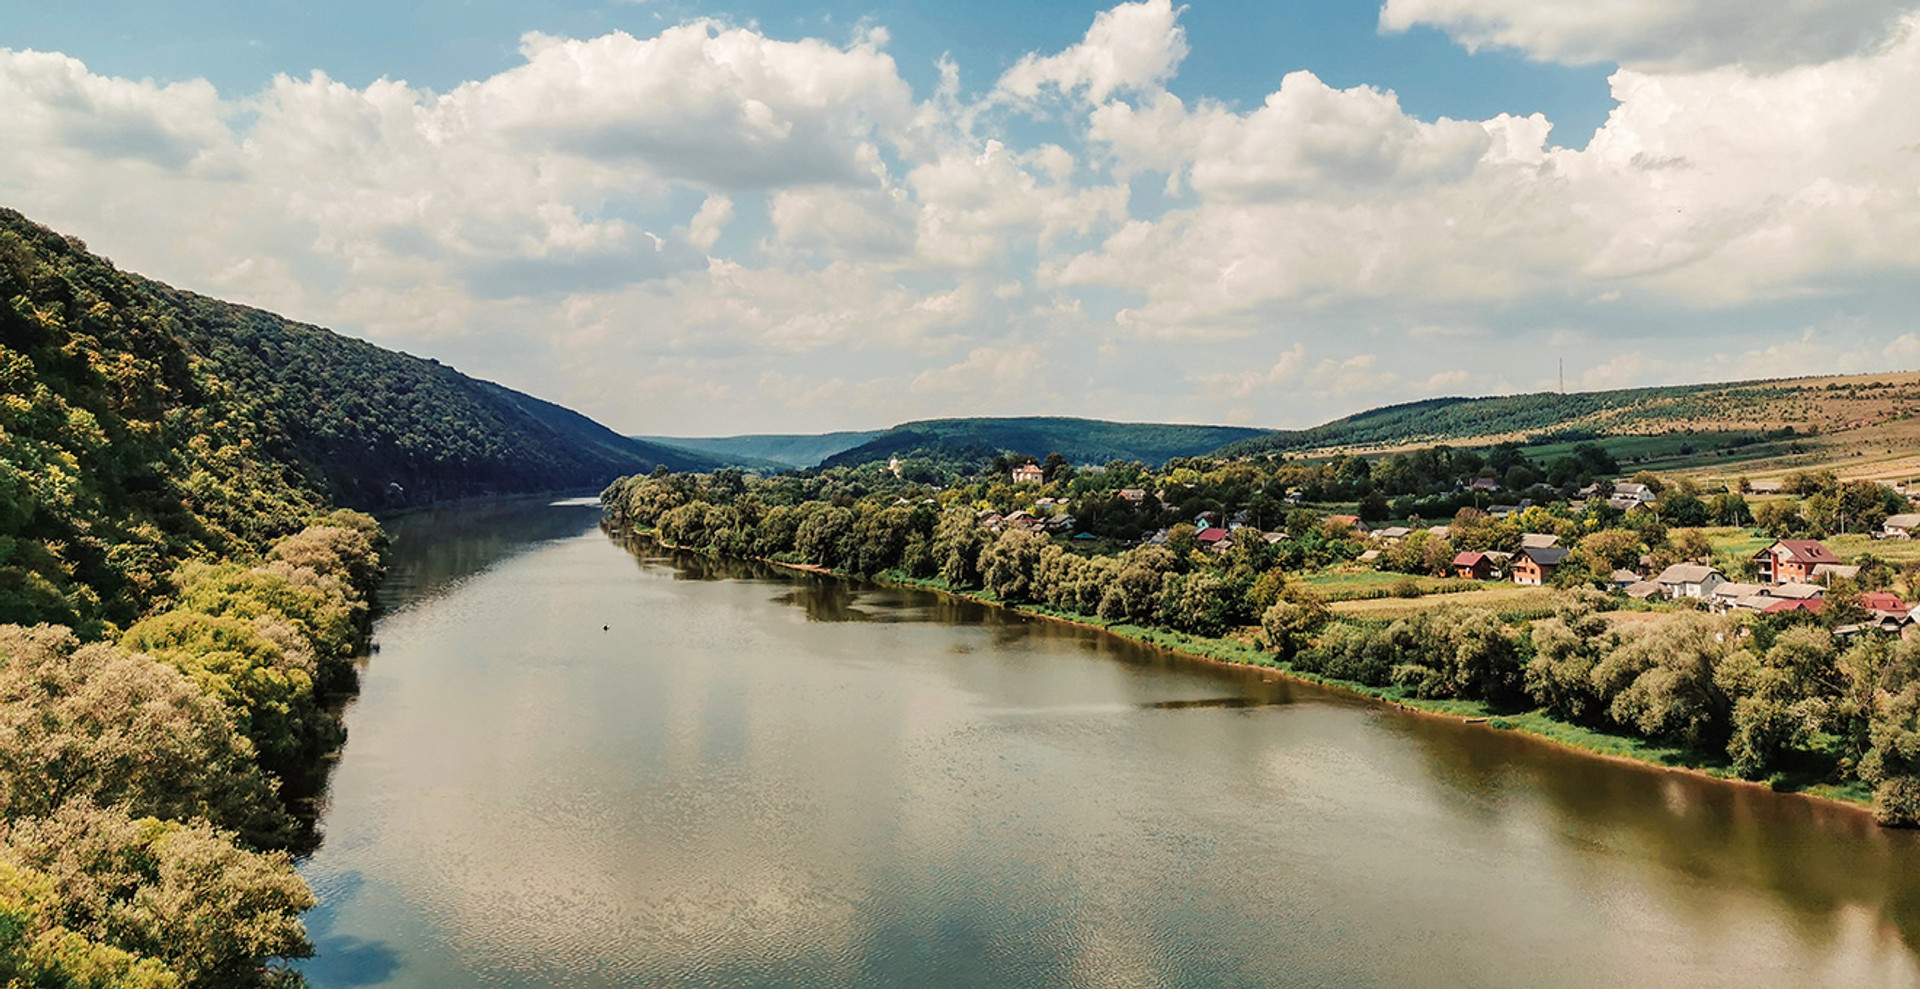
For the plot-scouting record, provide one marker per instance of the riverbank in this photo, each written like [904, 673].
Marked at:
[1232, 652]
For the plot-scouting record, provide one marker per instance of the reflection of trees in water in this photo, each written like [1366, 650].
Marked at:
[435, 548]
[1813, 857]
[828, 598]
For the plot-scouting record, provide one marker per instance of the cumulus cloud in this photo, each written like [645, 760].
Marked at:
[778, 228]
[1663, 34]
[1132, 47]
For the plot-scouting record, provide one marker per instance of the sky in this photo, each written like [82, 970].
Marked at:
[692, 218]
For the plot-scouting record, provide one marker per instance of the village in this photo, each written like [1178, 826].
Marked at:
[1724, 573]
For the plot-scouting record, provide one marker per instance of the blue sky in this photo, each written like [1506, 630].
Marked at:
[1244, 47]
[693, 218]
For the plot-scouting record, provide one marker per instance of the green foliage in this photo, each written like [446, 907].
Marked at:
[182, 894]
[960, 445]
[96, 723]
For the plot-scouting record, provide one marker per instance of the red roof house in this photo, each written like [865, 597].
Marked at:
[1791, 561]
[1883, 603]
[1472, 566]
[1782, 607]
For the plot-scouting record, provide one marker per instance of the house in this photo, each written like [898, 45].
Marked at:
[1622, 579]
[1794, 592]
[1274, 537]
[1484, 485]
[1134, 495]
[1393, 533]
[1538, 540]
[1826, 573]
[1639, 493]
[1440, 531]
[1295, 498]
[1790, 561]
[1350, 521]
[1690, 580]
[1628, 496]
[1728, 595]
[1782, 607]
[1534, 565]
[1472, 566]
[1206, 520]
[1212, 538]
[1644, 590]
[1766, 487]
[1028, 474]
[1369, 556]
[1882, 603]
[1898, 527]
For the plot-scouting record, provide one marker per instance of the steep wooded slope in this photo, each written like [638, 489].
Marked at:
[141, 426]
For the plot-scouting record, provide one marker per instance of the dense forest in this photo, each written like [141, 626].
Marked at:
[379, 429]
[776, 451]
[1784, 697]
[969, 442]
[145, 426]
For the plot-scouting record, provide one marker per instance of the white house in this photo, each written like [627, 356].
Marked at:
[1689, 580]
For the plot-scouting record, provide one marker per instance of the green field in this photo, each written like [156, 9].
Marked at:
[1353, 585]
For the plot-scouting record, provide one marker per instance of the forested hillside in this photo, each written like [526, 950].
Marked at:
[1081, 441]
[379, 429]
[768, 449]
[143, 426]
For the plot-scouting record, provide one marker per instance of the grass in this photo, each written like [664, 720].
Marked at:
[1504, 598]
[1356, 585]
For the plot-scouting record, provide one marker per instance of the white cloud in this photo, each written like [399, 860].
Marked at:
[1131, 47]
[1307, 137]
[885, 254]
[704, 230]
[1671, 34]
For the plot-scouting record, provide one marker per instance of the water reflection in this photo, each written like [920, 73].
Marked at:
[760, 778]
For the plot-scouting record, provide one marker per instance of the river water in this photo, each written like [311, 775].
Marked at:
[754, 778]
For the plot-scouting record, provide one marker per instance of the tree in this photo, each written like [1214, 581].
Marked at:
[1659, 680]
[93, 722]
[260, 669]
[1291, 622]
[1007, 565]
[1566, 648]
[183, 894]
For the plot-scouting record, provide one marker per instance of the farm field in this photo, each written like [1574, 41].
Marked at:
[1347, 585]
[1504, 598]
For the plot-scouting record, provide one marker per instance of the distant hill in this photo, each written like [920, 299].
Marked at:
[767, 449]
[142, 426]
[1816, 417]
[1081, 441]
[379, 429]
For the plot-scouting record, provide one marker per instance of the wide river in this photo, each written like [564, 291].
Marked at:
[578, 763]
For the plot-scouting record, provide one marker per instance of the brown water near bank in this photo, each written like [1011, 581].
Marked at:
[760, 778]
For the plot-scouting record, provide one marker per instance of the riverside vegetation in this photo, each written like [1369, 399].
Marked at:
[180, 604]
[1780, 698]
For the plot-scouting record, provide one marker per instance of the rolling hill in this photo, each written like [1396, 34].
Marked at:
[767, 450]
[1081, 441]
[1759, 426]
[141, 426]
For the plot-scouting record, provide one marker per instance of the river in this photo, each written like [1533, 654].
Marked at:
[578, 763]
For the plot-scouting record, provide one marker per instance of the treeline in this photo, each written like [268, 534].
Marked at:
[144, 832]
[1770, 695]
[1761, 695]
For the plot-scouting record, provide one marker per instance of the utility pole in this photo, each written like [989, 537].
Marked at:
[1563, 376]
